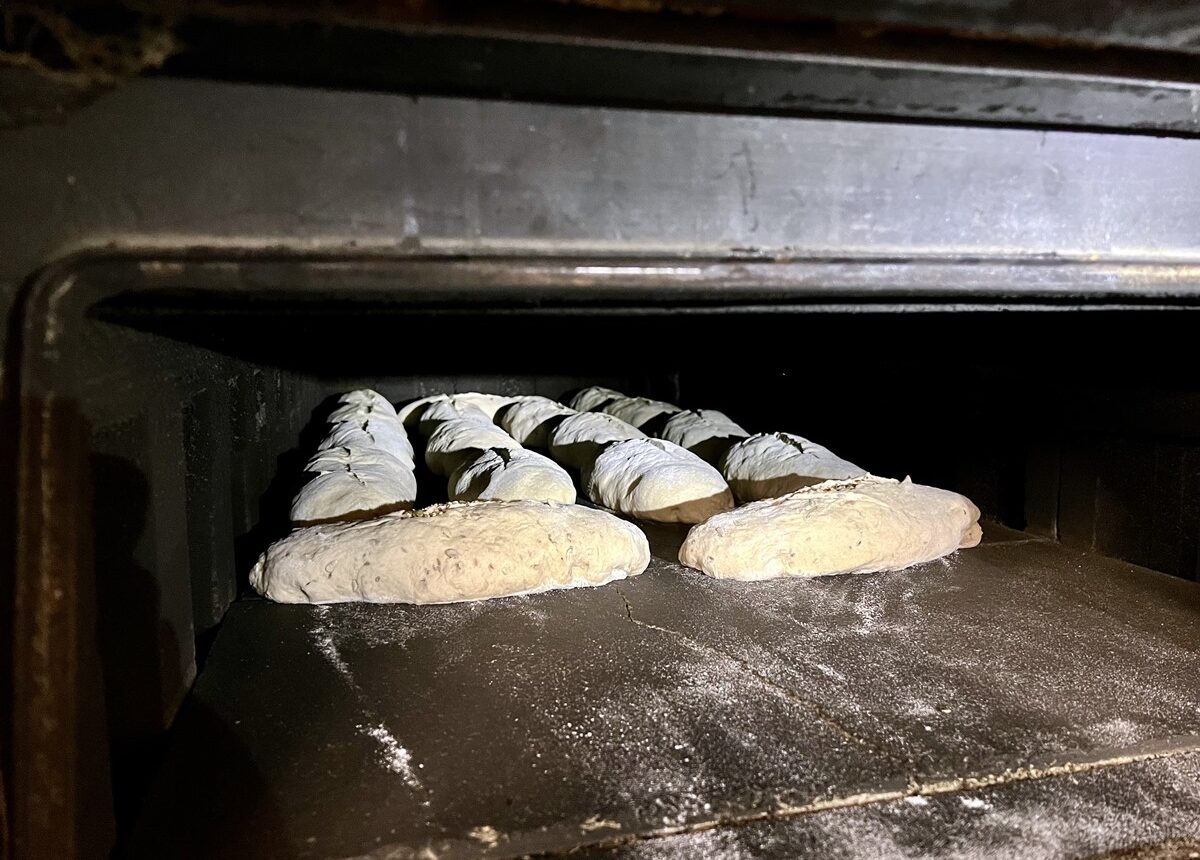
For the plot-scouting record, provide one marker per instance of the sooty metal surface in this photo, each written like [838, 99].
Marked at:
[673, 703]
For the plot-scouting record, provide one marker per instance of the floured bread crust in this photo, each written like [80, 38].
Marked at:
[593, 398]
[353, 495]
[450, 553]
[652, 479]
[339, 458]
[707, 433]
[639, 411]
[362, 413]
[353, 484]
[578, 439]
[446, 410]
[769, 465]
[461, 440]
[367, 400]
[530, 420]
[509, 475]
[856, 526]
[411, 412]
[387, 434]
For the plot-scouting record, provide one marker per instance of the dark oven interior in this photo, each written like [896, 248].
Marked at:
[1074, 429]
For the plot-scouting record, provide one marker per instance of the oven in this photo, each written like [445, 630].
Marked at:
[995, 300]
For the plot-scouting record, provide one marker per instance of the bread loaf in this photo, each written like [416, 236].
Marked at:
[769, 465]
[511, 474]
[448, 553]
[531, 419]
[857, 526]
[652, 479]
[707, 433]
[579, 438]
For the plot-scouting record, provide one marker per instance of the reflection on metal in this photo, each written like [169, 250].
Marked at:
[363, 172]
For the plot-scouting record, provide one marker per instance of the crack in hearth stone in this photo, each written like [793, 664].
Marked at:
[1180, 746]
[455, 848]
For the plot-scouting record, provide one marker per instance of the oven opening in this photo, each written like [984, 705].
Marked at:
[666, 706]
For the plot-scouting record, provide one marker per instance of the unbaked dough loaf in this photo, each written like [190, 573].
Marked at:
[365, 398]
[361, 413]
[707, 433]
[448, 553]
[639, 411]
[578, 440]
[769, 465]
[461, 440]
[445, 410]
[509, 475]
[338, 458]
[531, 419]
[388, 435]
[353, 484]
[652, 479]
[593, 398]
[856, 526]
[410, 412]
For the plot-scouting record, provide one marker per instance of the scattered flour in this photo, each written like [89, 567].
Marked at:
[829, 672]
[393, 757]
[974, 802]
[323, 642]
[726, 723]
[1117, 732]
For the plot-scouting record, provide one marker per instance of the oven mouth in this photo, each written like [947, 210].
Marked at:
[187, 389]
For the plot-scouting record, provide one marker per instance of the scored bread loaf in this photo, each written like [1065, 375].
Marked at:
[652, 479]
[363, 467]
[411, 412]
[578, 440]
[639, 411]
[340, 457]
[362, 413]
[590, 399]
[364, 399]
[768, 465]
[445, 410]
[460, 440]
[386, 434]
[354, 491]
[531, 419]
[707, 433]
[509, 474]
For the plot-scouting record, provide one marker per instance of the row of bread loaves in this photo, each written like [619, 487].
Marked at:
[755, 467]
[516, 537]
[363, 467]
[810, 512]
[818, 514]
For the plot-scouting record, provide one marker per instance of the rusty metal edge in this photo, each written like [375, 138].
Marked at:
[49, 554]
